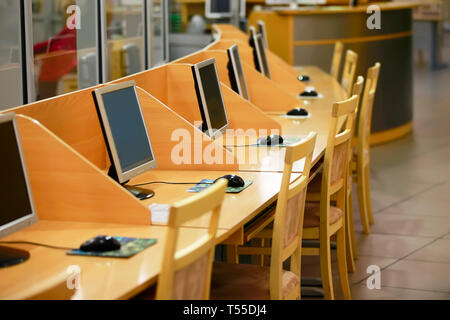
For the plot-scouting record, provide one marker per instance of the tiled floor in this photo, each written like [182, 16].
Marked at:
[410, 241]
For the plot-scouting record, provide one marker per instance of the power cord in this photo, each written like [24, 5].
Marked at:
[36, 244]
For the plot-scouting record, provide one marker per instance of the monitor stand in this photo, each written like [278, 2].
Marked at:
[140, 193]
[10, 257]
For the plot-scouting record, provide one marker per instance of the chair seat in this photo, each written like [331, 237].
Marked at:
[312, 215]
[246, 282]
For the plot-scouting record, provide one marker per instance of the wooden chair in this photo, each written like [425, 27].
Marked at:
[348, 74]
[323, 220]
[251, 282]
[186, 274]
[361, 158]
[352, 250]
[337, 58]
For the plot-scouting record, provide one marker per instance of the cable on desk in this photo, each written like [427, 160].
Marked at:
[36, 244]
[172, 183]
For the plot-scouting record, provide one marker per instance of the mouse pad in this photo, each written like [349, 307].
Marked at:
[288, 141]
[206, 183]
[130, 247]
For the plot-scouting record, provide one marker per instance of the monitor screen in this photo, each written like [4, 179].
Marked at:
[123, 123]
[223, 9]
[16, 204]
[262, 57]
[210, 98]
[237, 77]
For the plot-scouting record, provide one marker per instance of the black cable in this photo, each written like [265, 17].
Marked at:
[36, 244]
[174, 183]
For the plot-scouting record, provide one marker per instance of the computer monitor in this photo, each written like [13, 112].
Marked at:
[17, 210]
[260, 57]
[262, 30]
[236, 72]
[210, 99]
[125, 133]
[218, 9]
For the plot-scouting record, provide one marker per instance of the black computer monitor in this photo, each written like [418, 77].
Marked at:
[262, 31]
[259, 52]
[236, 72]
[125, 133]
[17, 209]
[210, 99]
[218, 9]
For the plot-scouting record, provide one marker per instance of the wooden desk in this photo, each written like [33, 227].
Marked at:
[45, 274]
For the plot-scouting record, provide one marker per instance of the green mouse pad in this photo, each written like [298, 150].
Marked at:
[206, 183]
[288, 141]
[130, 247]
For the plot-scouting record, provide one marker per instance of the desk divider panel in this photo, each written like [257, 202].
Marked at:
[230, 32]
[181, 97]
[84, 193]
[73, 118]
[286, 80]
[263, 93]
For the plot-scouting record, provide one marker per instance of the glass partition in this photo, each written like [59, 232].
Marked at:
[11, 89]
[157, 30]
[64, 46]
[125, 38]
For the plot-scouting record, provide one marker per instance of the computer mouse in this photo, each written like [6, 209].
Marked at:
[309, 93]
[233, 181]
[304, 78]
[101, 244]
[298, 112]
[272, 140]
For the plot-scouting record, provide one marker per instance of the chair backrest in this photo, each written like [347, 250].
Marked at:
[289, 214]
[337, 157]
[348, 74]
[337, 58]
[186, 273]
[366, 108]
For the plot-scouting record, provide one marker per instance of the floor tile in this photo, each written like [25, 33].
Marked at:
[438, 251]
[361, 292]
[422, 205]
[417, 275]
[408, 225]
[388, 246]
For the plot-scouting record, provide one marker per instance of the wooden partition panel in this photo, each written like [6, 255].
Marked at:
[263, 93]
[285, 80]
[67, 187]
[182, 98]
[167, 130]
[73, 118]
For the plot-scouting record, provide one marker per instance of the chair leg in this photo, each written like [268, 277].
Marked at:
[325, 268]
[232, 255]
[351, 228]
[362, 201]
[367, 193]
[342, 264]
[349, 237]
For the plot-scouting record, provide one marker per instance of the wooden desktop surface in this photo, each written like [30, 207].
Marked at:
[45, 274]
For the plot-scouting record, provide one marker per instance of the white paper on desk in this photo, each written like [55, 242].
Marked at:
[160, 213]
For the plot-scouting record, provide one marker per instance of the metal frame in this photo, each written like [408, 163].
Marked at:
[122, 176]
[31, 218]
[26, 50]
[242, 91]
[197, 68]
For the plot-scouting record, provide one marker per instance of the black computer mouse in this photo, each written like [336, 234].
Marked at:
[304, 78]
[233, 181]
[298, 112]
[272, 140]
[101, 244]
[309, 93]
